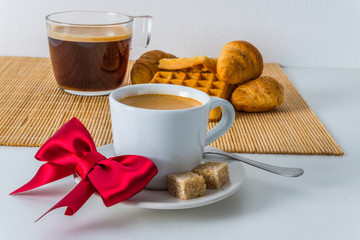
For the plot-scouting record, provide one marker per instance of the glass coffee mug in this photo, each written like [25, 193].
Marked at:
[90, 50]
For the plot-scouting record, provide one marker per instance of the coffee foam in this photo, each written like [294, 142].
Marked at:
[160, 102]
[89, 34]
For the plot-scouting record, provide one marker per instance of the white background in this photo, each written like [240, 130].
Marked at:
[303, 33]
[322, 204]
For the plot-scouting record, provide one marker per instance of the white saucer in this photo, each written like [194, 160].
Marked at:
[161, 199]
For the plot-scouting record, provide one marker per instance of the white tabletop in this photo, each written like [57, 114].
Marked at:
[324, 203]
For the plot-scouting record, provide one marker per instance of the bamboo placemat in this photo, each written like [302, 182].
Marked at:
[33, 108]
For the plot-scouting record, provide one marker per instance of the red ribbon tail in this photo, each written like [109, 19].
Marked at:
[75, 199]
[47, 173]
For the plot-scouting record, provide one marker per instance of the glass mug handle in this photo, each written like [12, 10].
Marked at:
[227, 119]
[141, 30]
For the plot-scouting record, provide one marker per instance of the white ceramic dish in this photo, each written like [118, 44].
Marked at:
[161, 199]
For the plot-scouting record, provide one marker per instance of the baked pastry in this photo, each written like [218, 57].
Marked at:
[111, 57]
[146, 66]
[238, 62]
[196, 64]
[206, 82]
[258, 95]
[216, 174]
[186, 185]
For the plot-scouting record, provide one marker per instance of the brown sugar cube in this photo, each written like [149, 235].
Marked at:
[186, 185]
[216, 174]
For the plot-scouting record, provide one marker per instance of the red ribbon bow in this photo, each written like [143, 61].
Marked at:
[72, 150]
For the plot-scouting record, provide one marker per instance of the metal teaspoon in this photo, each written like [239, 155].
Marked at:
[283, 171]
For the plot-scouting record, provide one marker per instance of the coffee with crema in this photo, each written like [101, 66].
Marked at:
[160, 102]
[91, 58]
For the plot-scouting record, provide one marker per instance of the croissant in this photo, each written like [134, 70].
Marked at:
[258, 95]
[146, 66]
[238, 62]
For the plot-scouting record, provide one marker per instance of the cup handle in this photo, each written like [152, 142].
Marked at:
[142, 30]
[227, 119]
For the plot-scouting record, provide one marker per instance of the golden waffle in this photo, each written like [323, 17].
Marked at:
[204, 81]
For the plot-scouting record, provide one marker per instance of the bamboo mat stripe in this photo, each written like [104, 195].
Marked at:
[33, 108]
[292, 128]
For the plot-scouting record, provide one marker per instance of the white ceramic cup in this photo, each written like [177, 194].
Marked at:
[173, 139]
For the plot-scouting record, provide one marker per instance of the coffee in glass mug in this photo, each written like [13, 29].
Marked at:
[90, 50]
